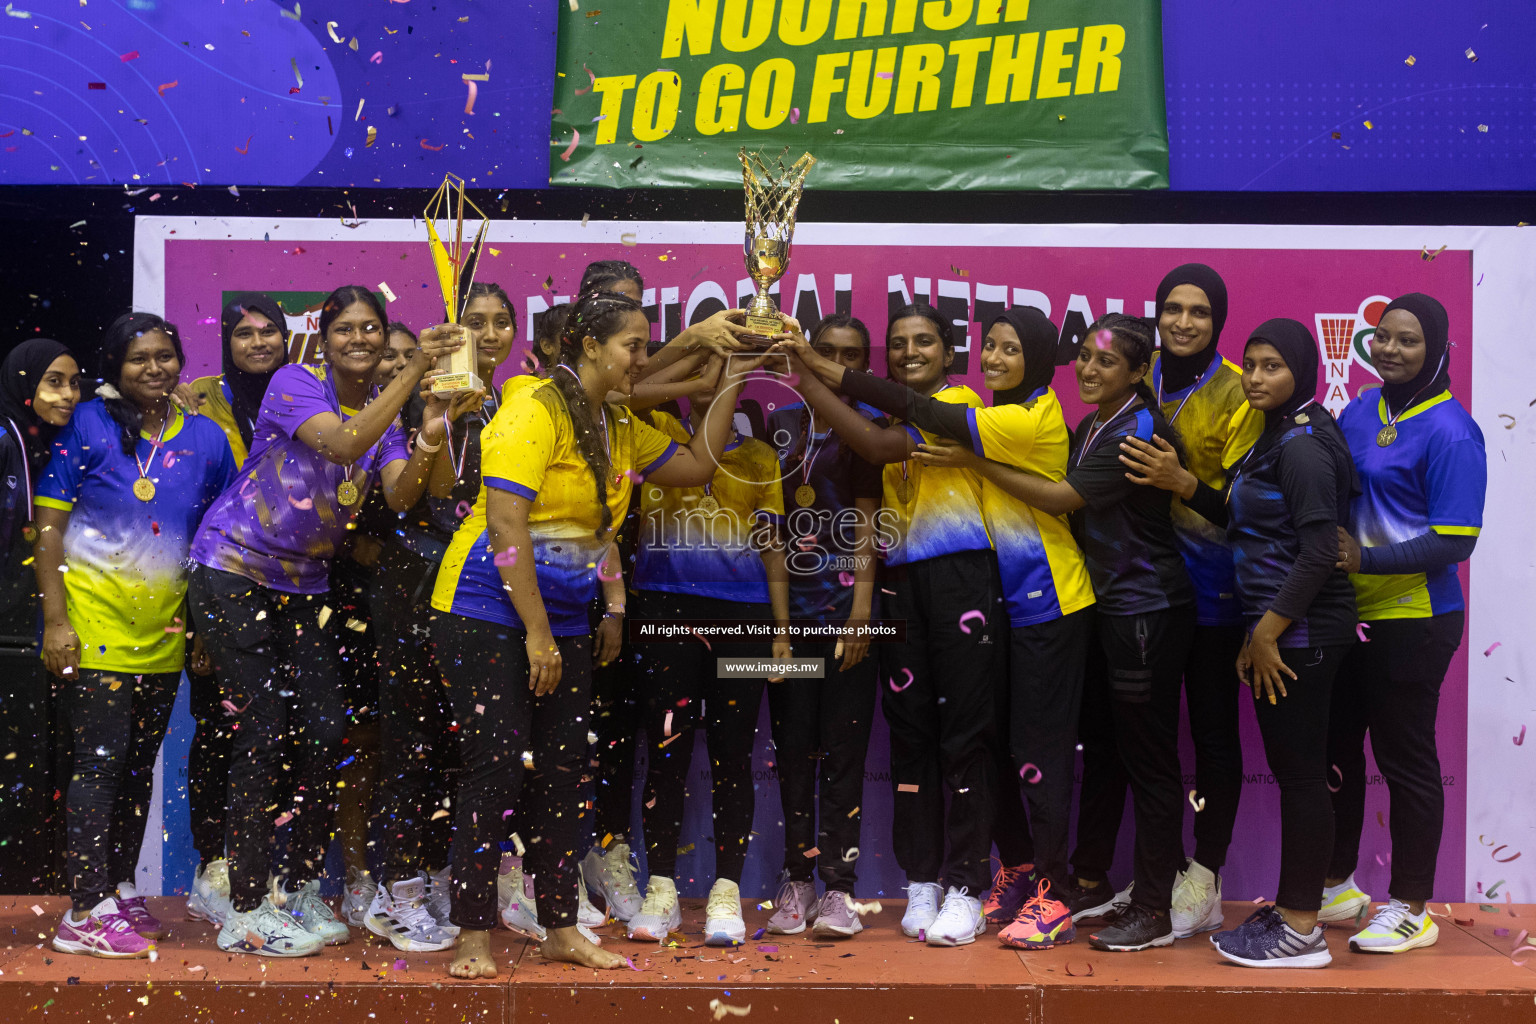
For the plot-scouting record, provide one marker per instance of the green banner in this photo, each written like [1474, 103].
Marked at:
[886, 94]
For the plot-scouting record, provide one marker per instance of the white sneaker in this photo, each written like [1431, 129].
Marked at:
[440, 900]
[399, 914]
[361, 888]
[315, 915]
[610, 875]
[922, 907]
[794, 906]
[587, 915]
[959, 920]
[1196, 901]
[590, 935]
[519, 912]
[659, 913]
[1343, 902]
[723, 924]
[210, 893]
[267, 931]
[1395, 929]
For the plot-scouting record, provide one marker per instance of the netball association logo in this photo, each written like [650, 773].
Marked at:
[1345, 338]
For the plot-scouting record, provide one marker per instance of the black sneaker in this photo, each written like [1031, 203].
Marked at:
[1135, 928]
[1083, 902]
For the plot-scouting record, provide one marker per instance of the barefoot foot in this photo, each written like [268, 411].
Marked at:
[570, 946]
[472, 956]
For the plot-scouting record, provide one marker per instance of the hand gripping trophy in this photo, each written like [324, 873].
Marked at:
[455, 262]
[771, 205]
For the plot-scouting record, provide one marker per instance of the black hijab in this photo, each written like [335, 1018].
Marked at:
[1037, 337]
[1435, 375]
[20, 375]
[247, 389]
[1299, 350]
[1179, 372]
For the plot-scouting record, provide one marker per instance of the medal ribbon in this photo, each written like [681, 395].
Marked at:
[1094, 434]
[144, 467]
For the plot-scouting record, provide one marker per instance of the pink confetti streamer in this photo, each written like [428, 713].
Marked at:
[1024, 773]
[575, 140]
[377, 58]
[618, 574]
[972, 614]
[1493, 647]
[506, 559]
[1519, 740]
[474, 93]
[1104, 339]
[794, 115]
[302, 504]
[897, 689]
[845, 578]
[1331, 787]
[463, 509]
[1360, 628]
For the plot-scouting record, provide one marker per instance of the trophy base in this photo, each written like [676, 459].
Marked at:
[762, 329]
[456, 383]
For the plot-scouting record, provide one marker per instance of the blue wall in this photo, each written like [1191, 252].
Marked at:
[1255, 92]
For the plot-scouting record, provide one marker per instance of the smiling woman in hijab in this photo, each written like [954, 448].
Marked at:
[1423, 474]
[39, 389]
[1046, 592]
[254, 335]
[1283, 506]
[1201, 394]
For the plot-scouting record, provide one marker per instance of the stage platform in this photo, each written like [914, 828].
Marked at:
[879, 976]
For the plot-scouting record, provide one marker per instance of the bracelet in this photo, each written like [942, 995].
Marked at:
[420, 443]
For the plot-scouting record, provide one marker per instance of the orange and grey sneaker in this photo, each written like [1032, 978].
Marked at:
[1010, 888]
[1041, 922]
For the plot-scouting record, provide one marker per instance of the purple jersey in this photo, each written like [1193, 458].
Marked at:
[280, 522]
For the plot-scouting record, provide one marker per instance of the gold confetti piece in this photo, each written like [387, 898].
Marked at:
[1369, 125]
[1470, 54]
[684, 849]
[494, 252]
[573, 4]
[359, 115]
[1483, 128]
[628, 238]
[373, 136]
[388, 294]
[517, 844]
[476, 78]
[294, 63]
[724, 1010]
[294, 14]
[1411, 61]
[325, 615]
[11, 756]
[853, 812]
[330, 27]
[116, 685]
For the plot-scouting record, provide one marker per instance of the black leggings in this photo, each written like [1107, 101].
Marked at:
[1391, 687]
[119, 720]
[1295, 730]
[615, 722]
[277, 665]
[821, 732]
[943, 727]
[418, 757]
[1130, 731]
[500, 720]
[208, 767]
[1045, 674]
[680, 686]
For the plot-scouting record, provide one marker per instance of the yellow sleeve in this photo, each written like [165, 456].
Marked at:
[518, 446]
[652, 448]
[770, 496]
[1243, 429]
[1003, 433]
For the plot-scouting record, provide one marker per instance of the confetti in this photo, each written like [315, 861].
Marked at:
[897, 689]
[373, 136]
[95, 85]
[377, 58]
[1429, 254]
[474, 93]
[723, 1010]
[575, 140]
[330, 27]
[906, 787]
[1483, 128]
[1198, 805]
[506, 559]
[1470, 54]
[1520, 739]
[130, 55]
[168, 85]
[1411, 61]
[972, 614]
[426, 145]
[23, 14]
[1104, 339]
[628, 238]
[293, 62]
[794, 115]
[389, 294]
[1360, 628]
[1331, 787]
[851, 855]
[282, 819]
[1368, 125]
[294, 14]
[1493, 888]
[1504, 860]
[812, 853]
[39, 911]
[1495, 646]
[302, 504]
[1027, 770]
[1089, 973]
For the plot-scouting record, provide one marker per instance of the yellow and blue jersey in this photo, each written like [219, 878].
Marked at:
[1043, 573]
[1433, 477]
[126, 559]
[216, 406]
[943, 513]
[683, 550]
[529, 449]
[1217, 427]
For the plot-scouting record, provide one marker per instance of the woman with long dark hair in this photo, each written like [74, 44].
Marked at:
[39, 389]
[129, 480]
[1283, 506]
[326, 435]
[1144, 621]
[253, 337]
[514, 642]
[1423, 475]
[940, 697]
[1046, 592]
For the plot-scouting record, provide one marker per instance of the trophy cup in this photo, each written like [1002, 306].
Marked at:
[455, 263]
[771, 205]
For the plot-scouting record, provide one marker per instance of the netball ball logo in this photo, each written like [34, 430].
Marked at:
[1344, 338]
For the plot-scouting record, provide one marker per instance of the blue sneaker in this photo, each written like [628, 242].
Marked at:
[1265, 940]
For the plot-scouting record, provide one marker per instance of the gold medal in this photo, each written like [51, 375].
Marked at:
[805, 495]
[904, 491]
[346, 492]
[708, 505]
[144, 489]
[1387, 435]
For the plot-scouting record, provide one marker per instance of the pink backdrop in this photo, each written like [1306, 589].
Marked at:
[680, 274]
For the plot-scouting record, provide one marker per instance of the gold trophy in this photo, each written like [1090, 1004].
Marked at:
[771, 205]
[455, 265]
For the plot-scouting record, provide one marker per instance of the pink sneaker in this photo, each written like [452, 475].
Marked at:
[1041, 923]
[105, 933]
[145, 923]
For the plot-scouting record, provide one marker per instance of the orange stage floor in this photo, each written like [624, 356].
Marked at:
[879, 976]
